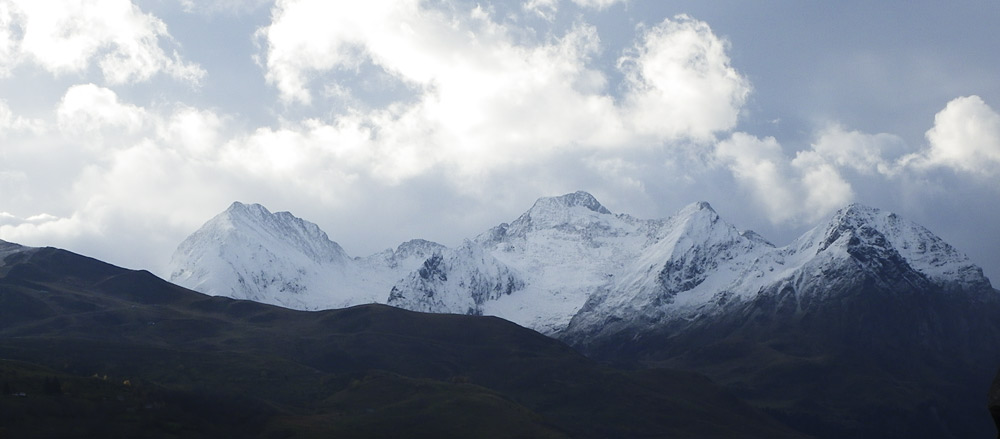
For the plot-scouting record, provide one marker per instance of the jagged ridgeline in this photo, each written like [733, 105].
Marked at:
[566, 266]
[868, 325]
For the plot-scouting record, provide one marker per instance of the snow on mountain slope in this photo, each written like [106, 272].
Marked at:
[923, 251]
[562, 250]
[571, 251]
[458, 282]
[567, 248]
[247, 252]
[407, 257]
[694, 260]
[709, 268]
[569, 265]
[864, 242]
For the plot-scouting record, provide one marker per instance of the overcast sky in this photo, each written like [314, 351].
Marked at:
[126, 125]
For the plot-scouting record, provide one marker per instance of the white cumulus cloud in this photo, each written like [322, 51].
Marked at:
[862, 152]
[484, 98]
[822, 187]
[681, 82]
[69, 36]
[965, 137]
[803, 189]
[759, 165]
[94, 115]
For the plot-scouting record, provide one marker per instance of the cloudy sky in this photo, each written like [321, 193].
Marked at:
[126, 125]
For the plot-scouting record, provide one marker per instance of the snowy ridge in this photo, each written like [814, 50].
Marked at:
[922, 250]
[730, 268]
[247, 252]
[407, 256]
[697, 259]
[570, 266]
[566, 248]
[458, 282]
[587, 270]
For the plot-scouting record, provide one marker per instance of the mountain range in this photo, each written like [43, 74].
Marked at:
[88, 349]
[567, 266]
[868, 325]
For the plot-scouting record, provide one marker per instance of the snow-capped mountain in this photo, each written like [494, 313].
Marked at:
[247, 252]
[866, 326]
[866, 323]
[587, 271]
[705, 267]
[871, 236]
[568, 266]
[696, 262]
[566, 249]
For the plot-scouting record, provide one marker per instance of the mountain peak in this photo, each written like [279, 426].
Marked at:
[694, 208]
[238, 206]
[860, 228]
[246, 251]
[417, 243]
[578, 198]
[860, 225]
[238, 209]
[577, 208]
[703, 205]
[698, 215]
[858, 211]
[256, 216]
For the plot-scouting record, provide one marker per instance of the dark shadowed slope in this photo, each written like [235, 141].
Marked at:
[860, 342]
[994, 402]
[132, 353]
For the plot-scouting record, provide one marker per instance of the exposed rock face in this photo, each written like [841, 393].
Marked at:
[459, 282]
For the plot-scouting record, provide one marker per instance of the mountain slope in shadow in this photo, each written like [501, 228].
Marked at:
[136, 355]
